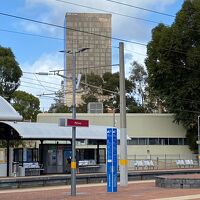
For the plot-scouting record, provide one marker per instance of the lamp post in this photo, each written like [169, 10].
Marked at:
[73, 161]
[123, 129]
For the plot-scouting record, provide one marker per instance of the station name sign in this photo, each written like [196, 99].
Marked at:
[73, 122]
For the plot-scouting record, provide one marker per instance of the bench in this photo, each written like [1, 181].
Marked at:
[148, 164]
[180, 163]
[185, 163]
[189, 163]
[32, 168]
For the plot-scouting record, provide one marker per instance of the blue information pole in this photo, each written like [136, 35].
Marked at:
[111, 160]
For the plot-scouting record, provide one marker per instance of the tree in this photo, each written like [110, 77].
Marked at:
[108, 91]
[91, 85]
[173, 67]
[138, 76]
[10, 73]
[59, 106]
[26, 104]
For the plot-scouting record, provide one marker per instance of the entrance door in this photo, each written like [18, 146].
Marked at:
[67, 161]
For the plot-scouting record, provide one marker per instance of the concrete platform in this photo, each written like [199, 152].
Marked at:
[136, 190]
[65, 179]
[178, 181]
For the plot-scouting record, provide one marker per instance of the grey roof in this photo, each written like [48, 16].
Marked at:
[8, 113]
[28, 130]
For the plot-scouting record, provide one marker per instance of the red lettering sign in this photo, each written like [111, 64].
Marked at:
[77, 122]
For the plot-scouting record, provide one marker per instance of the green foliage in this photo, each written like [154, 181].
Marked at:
[111, 82]
[10, 73]
[59, 108]
[138, 77]
[26, 104]
[12, 143]
[106, 90]
[173, 67]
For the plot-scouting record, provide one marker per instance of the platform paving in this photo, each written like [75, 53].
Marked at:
[136, 190]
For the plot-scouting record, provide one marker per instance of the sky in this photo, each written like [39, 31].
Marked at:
[36, 47]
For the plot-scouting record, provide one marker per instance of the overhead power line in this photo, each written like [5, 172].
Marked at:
[56, 38]
[30, 34]
[141, 8]
[107, 11]
[72, 29]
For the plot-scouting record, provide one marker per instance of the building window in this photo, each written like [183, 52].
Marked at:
[157, 141]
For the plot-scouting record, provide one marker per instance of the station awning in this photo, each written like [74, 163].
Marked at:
[49, 131]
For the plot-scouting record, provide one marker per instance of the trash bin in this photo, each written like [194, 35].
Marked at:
[21, 171]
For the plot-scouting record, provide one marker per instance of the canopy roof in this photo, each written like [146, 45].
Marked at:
[8, 113]
[49, 131]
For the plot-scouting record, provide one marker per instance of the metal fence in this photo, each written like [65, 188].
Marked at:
[166, 161]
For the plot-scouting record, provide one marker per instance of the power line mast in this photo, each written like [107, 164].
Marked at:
[123, 130]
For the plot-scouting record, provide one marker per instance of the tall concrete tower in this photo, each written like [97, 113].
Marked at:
[87, 30]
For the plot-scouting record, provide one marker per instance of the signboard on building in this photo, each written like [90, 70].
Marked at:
[111, 160]
[73, 122]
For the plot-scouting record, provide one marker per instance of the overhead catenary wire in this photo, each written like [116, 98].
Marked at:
[107, 11]
[141, 8]
[41, 86]
[50, 83]
[70, 28]
[73, 29]
[62, 39]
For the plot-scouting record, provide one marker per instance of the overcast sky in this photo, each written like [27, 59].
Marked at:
[36, 54]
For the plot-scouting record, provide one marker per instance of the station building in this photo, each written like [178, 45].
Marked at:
[150, 134]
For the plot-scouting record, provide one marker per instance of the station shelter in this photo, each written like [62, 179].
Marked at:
[53, 153]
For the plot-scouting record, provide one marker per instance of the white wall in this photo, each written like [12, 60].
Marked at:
[3, 169]
[138, 125]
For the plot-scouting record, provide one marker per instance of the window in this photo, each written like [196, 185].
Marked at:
[173, 141]
[153, 141]
[157, 141]
[142, 141]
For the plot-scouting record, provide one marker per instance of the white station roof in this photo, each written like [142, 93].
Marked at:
[8, 113]
[28, 130]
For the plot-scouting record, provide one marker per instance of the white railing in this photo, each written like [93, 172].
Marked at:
[147, 162]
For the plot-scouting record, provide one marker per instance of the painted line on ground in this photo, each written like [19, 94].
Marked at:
[35, 189]
[189, 197]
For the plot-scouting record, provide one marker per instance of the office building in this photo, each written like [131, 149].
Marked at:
[87, 30]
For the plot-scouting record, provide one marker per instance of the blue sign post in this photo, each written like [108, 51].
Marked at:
[111, 160]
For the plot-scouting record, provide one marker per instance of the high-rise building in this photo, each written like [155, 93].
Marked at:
[87, 30]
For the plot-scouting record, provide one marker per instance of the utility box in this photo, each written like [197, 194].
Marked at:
[95, 107]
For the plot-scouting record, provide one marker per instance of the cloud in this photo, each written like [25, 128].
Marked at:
[55, 11]
[138, 54]
[37, 84]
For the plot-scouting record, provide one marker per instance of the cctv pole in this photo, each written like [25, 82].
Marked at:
[123, 130]
[73, 161]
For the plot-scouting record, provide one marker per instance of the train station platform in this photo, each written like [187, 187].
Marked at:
[136, 190]
[65, 179]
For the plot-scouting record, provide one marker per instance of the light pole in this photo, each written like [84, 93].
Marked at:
[73, 161]
[123, 129]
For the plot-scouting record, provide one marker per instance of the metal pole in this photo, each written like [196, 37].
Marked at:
[73, 161]
[123, 131]
[198, 140]
[8, 157]
[114, 124]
